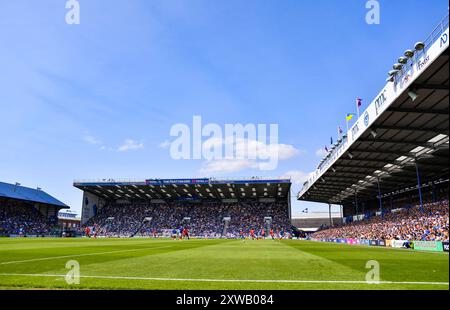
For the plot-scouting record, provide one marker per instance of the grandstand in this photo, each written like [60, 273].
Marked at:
[396, 153]
[27, 211]
[208, 207]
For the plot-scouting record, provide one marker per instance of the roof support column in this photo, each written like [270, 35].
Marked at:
[419, 182]
[329, 213]
[380, 203]
[356, 202]
[434, 193]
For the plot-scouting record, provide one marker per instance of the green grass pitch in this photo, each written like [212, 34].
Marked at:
[214, 264]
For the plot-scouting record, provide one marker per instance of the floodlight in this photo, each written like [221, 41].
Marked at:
[419, 46]
[413, 95]
[393, 72]
[403, 60]
[409, 53]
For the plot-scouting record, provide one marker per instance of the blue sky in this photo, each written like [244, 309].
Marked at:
[97, 100]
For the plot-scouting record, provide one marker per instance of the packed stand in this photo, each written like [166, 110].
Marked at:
[413, 223]
[17, 219]
[203, 220]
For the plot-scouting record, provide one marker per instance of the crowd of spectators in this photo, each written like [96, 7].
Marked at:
[16, 219]
[202, 220]
[429, 223]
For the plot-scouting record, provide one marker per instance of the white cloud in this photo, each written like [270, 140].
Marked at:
[253, 149]
[297, 177]
[321, 153]
[164, 145]
[92, 140]
[130, 145]
[248, 148]
[106, 148]
[249, 154]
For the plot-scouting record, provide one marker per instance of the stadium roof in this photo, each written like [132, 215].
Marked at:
[188, 189]
[18, 192]
[407, 123]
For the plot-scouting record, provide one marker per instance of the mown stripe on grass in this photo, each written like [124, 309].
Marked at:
[80, 255]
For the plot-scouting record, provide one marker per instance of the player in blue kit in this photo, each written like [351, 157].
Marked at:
[174, 234]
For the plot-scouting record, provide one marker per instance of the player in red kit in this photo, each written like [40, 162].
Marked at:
[87, 231]
[186, 233]
[252, 234]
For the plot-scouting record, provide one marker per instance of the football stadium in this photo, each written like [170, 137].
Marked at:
[388, 174]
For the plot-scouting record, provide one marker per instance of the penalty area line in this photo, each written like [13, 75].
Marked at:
[80, 255]
[228, 280]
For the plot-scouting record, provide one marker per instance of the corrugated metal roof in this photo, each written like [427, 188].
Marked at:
[189, 189]
[28, 194]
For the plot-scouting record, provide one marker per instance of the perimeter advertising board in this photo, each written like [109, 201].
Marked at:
[398, 243]
[445, 246]
[434, 246]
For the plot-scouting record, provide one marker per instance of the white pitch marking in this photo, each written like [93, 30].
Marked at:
[228, 280]
[78, 255]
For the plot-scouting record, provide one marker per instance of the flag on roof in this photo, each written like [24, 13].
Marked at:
[358, 102]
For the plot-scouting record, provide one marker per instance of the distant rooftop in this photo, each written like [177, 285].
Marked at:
[15, 191]
[317, 215]
[68, 214]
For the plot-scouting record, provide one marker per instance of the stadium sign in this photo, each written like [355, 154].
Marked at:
[379, 101]
[366, 119]
[203, 181]
[355, 129]
[176, 181]
[444, 39]
[422, 63]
